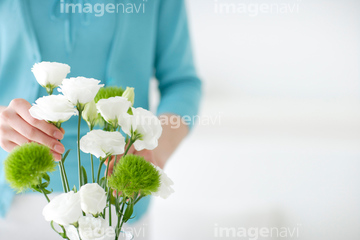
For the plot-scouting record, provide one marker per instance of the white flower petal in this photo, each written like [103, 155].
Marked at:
[72, 233]
[147, 124]
[50, 73]
[113, 108]
[80, 90]
[63, 209]
[54, 108]
[92, 198]
[165, 189]
[101, 143]
[91, 228]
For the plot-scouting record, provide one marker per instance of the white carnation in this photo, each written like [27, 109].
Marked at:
[91, 228]
[165, 189]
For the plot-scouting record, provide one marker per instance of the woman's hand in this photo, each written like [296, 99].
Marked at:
[17, 127]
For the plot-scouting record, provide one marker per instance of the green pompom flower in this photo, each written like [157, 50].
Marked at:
[27, 165]
[134, 175]
[108, 92]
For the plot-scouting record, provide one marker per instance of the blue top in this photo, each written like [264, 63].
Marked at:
[125, 46]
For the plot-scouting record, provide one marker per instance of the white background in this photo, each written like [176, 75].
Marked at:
[286, 152]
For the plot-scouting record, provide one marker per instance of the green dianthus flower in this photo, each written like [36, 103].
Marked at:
[27, 165]
[108, 92]
[134, 175]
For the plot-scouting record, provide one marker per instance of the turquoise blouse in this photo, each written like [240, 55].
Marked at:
[120, 49]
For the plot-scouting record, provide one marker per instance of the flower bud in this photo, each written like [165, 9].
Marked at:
[90, 113]
[129, 94]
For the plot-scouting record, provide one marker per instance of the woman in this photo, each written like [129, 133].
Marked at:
[120, 48]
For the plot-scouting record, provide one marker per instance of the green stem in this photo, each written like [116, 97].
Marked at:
[62, 177]
[63, 234]
[92, 168]
[108, 188]
[91, 127]
[99, 169]
[120, 219]
[138, 199]
[46, 196]
[79, 108]
[128, 147]
[65, 177]
[109, 199]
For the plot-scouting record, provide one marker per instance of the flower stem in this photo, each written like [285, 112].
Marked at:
[79, 108]
[62, 177]
[109, 199]
[92, 168]
[91, 127]
[65, 177]
[120, 221]
[128, 147]
[108, 188]
[46, 196]
[99, 169]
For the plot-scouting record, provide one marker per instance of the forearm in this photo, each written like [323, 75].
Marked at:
[174, 131]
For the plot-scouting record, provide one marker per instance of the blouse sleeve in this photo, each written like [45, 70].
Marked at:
[179, 85]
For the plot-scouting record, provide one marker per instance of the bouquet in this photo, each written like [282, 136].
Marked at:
[86, 213]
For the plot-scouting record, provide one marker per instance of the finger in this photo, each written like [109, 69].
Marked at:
[22, 107]
[34, 134]
[13, 136]
[131, 151]
[148, 155]
[56, 155]
[7, 145]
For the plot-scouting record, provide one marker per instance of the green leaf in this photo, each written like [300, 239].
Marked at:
[117, 204]
[48, 191]
[129, 211]
[112, 198]
[46, 177]
[84, 176]
[65, 156]
[102, 182]
[36, 189]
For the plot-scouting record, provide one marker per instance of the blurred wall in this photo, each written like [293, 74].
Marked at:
[282, 87]
[288, 48]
